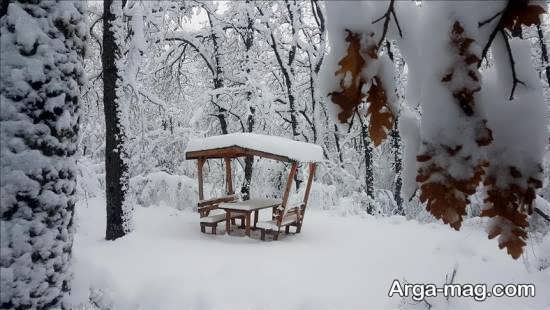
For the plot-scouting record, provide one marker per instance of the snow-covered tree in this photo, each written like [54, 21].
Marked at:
[42, 46]
[116, 166]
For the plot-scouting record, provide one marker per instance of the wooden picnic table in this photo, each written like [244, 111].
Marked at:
[246, 207]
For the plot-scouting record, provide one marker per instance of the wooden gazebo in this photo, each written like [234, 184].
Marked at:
[236, 145]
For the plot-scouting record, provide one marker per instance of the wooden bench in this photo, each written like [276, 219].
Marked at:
[204, 207]
[292, 217]
[285, 215]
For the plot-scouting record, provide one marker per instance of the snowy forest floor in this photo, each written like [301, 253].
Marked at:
[335, 263]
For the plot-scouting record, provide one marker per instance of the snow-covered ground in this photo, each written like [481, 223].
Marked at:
[335, 263]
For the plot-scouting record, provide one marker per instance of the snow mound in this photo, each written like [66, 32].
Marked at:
[334, 263]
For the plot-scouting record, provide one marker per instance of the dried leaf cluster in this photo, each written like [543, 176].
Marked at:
[446, 195]
[509, 207]
[510, 199]
[361, 53]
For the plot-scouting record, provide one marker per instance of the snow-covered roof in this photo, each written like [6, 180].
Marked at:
[242, 144]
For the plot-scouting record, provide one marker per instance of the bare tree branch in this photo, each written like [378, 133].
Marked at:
[515, 79]
[387, 16]
[542, 214]
[195, 47]
[499, 28]
[483, 23]
[493, 34]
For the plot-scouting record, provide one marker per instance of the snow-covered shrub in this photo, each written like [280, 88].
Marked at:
[538, 225]
[161, 188]
[358, 203]
[385, 202]
[268, 178]
[321, 196]
[544, 252]
[93, 288]
[90, 180]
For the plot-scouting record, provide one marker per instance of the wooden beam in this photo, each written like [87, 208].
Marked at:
[200, 164]
[228, 176]
[312, 168]
[232, 152]
[216, 201]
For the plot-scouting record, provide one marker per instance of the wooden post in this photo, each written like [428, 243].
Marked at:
[228, 176]
[227, 222]
[247, 223]
[200, 164]
[312, 168]
[287, 189]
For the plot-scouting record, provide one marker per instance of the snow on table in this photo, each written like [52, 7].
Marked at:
[296, 150]
[250, 205]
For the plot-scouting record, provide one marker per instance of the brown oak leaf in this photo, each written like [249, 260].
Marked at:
[351, 81]
[447, 198]
[511, 205]
[381, 116]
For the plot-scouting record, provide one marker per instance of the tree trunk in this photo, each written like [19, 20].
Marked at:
[397, 166]
[116, 170]
[369, 173]
[39, 132]
[249, 160]
[544, 53]
[217, 78]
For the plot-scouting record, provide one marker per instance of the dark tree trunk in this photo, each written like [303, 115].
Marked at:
[369, 173]
[116, 170]
[249, 160]
[337, 142]
[369, 176]
[287, 73]
[398, 167]
[544, 53]
[312, 123]
[217, 79]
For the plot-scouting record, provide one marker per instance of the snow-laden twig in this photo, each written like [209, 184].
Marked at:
[499, 28]
[515, 80]
[387, 16]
